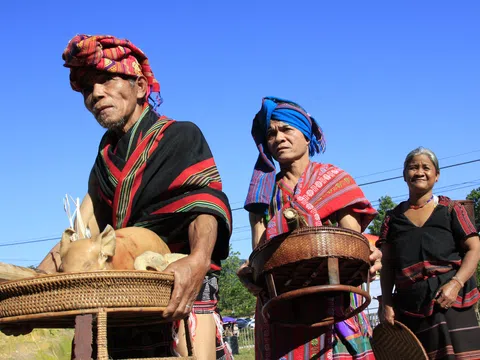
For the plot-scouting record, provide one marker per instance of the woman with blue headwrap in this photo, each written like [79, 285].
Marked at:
[284, 132]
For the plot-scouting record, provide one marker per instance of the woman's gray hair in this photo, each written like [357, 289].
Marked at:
[421, 151]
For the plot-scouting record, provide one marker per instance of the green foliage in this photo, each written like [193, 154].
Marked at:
[386, 203]
[246, 354]
[235, 300]
[475, 196]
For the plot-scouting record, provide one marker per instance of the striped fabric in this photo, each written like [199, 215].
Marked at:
[206, 303]
[161, 175]
[451, 334]
[322, 190]
[106, 53]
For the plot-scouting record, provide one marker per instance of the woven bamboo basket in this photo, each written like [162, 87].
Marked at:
[396, 343]
[54, 300]
[304, 271]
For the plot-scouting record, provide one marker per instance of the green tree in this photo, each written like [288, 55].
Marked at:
[386, 203]
[475, 196]
[234, 300]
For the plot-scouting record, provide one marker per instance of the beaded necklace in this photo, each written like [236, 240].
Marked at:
[416, 207]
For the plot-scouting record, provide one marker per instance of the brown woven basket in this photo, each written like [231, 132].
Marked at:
[396, 343]
[54, 300]
[297, 271]
[299, 259]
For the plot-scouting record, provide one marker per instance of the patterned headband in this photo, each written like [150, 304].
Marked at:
[110, 54]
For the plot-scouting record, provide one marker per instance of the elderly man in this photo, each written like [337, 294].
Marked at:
[152, 172]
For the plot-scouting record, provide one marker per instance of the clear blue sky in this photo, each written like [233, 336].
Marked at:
[381, 78]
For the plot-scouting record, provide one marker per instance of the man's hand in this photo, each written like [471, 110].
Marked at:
[189, 274]
[190, 271]
[387, 314]
[376, 260]
[245, 274]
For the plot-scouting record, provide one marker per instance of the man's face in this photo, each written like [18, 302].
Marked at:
[112, 98]
[286, 143]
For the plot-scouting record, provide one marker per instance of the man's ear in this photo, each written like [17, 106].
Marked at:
[142, 87]
[65, 242]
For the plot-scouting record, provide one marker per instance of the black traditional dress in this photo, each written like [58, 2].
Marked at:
[424, 258]
[161, 175]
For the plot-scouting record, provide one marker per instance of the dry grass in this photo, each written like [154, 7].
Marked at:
[55, 344]
[40, 344]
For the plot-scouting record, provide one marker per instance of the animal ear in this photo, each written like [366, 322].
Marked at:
[66, 240]
[108, 241]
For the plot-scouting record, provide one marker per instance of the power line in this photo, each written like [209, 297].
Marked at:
[396, 169]
[398, 177]
[247, 226]
[469, 183]
[30, 260]
[30, 241]
[387, 171]
[376, 202]
[401, 176]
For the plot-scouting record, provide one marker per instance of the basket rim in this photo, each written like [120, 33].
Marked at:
[304, 230]
[55, 315]
[100, 274]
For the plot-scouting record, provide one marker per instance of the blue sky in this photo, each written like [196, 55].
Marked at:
[381, 78]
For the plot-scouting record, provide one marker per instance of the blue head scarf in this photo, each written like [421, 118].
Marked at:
[261, 186]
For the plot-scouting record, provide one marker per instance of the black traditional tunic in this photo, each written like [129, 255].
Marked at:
[424, 259]
[161, 175]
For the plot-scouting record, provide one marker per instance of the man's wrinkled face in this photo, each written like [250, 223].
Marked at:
[286, 143]
[111, 98]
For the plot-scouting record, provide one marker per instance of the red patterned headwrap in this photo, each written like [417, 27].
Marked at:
[106, 53]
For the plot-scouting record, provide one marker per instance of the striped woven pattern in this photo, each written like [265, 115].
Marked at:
[299, 259]
[161, 175]
[106, 53]
[396, 343]
[90, 290]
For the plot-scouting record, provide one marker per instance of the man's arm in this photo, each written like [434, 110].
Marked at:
[191, 270]
[258, 227]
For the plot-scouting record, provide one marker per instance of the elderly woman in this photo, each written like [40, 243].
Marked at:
[430, 253]
[320, 193]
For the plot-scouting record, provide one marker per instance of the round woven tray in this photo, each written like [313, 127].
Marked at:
[299, 259]
[54, 300]
[396, 343]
